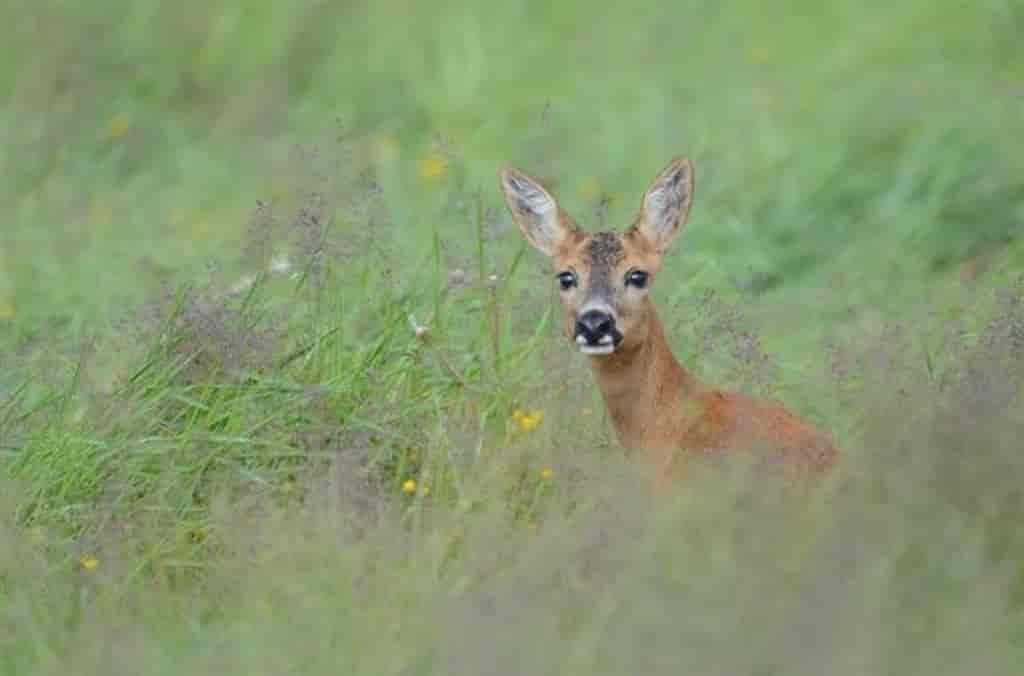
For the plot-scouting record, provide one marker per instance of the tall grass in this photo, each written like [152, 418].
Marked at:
[266, 328]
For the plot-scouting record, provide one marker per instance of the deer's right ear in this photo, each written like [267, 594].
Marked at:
[535, 211]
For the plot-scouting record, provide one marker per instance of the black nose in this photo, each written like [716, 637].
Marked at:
[594, 325]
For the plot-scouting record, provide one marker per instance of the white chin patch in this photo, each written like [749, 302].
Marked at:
[605, 346]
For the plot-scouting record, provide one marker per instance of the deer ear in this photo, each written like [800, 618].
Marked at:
[666, 204]
[535, 211]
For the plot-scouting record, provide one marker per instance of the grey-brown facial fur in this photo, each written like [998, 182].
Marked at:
[603, 252]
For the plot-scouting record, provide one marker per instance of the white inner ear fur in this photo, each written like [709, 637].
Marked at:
[666, 204]
[663, 206]
[530, 197]
[535, 211]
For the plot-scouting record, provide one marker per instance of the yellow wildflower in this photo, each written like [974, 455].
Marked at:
[119, 125]
[409, 486]
[432, 167]
[7, 309]
[547, 473]
[590, 188]
[89, 562]
[527, 421]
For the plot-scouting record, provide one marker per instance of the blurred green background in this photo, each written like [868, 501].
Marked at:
[863, 147]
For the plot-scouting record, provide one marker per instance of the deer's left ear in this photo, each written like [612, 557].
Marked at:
[666, 204]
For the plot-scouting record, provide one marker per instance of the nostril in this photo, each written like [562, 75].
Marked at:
[594, 324]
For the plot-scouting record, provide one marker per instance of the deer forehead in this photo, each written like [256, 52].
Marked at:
[601, 253]
[603, 250]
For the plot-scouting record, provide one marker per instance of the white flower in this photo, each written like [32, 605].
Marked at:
[280, 265]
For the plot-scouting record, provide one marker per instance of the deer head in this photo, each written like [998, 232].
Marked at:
[604, 277]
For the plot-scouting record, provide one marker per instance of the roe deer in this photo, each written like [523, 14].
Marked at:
[656, 406]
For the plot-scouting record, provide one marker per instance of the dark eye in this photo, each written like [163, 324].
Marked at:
[566, 280]
[637, 278]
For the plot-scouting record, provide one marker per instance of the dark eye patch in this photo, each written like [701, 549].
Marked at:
[637, 278]
[566, 280]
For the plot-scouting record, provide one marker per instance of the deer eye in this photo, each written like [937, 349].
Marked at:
[566, 280]
[637, 278]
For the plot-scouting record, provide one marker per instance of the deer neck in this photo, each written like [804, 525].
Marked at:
[643, 385]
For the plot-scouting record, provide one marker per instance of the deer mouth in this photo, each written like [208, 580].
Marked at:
[606, 344]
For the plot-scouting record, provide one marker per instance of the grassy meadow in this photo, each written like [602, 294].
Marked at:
[283, 391]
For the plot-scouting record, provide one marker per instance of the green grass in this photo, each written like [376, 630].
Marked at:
[200, 480]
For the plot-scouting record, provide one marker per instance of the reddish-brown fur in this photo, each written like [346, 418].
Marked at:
[656, 406]
[659, 408]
